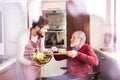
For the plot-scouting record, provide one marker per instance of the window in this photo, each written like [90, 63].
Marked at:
[1, 33]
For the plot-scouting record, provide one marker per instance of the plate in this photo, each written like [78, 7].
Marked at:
[61, 52]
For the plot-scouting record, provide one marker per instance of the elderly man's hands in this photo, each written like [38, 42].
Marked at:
[72, 53]
[54, 49]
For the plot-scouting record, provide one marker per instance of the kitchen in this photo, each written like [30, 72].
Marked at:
[96, 22]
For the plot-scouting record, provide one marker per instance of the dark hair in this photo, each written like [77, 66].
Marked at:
[41, 22]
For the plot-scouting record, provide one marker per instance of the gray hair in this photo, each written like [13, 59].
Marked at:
[81, 35]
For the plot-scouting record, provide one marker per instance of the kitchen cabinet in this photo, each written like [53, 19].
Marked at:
[9, 73]
[48, 5]
[56, 13]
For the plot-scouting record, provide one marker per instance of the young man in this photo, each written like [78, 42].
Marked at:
[29, 41]
[80, 56]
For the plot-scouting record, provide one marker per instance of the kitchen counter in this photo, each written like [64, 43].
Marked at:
[7, 63]
[8, 69]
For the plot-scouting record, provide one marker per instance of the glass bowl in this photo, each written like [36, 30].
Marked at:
[41, 58]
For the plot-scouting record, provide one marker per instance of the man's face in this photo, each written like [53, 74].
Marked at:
[42, 31]
[75, 41]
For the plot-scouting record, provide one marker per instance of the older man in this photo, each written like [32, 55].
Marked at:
[80, 56]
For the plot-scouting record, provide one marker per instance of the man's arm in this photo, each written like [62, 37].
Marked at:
[60, 57]
[21, 48]
[89, 56]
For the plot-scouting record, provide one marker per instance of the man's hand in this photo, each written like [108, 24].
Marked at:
[48, 52]
[34, 63]
[54, 49]
[72, 53]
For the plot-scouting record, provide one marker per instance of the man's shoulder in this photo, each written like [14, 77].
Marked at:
[69, 48]
[87, 46]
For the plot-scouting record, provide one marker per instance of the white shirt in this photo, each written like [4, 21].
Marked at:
[22, 42]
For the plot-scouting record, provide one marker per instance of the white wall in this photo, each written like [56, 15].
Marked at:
[99, 21]
[1, 31]
[34, 9]
[117, 45]
[98, 27]
[15, 20]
